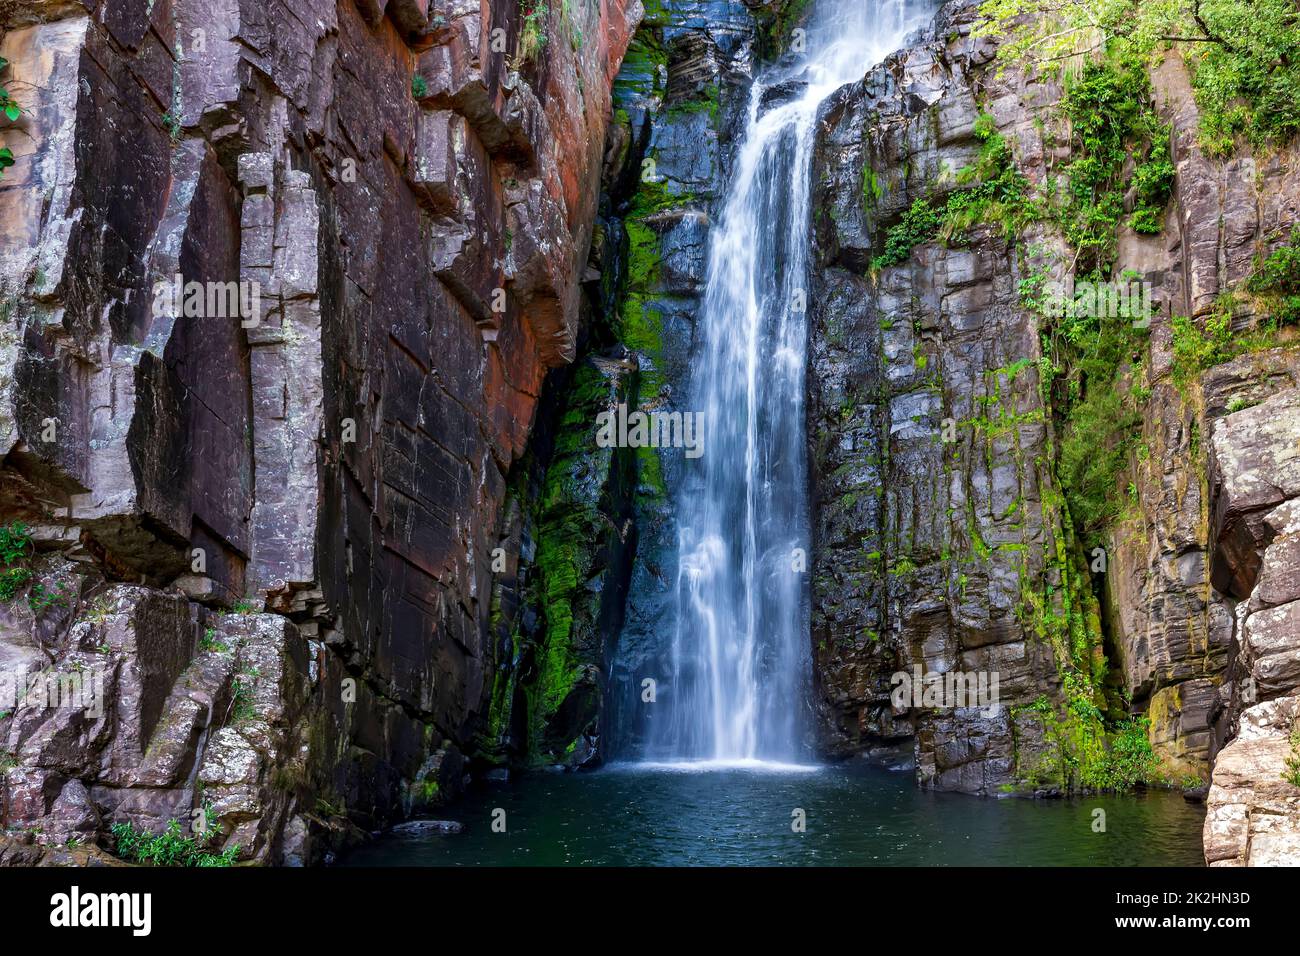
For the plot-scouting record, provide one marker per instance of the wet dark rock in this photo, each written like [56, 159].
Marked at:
[423, 828]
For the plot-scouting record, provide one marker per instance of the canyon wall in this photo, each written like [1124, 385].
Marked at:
[942, 537]
[329, 559]
[274, 535]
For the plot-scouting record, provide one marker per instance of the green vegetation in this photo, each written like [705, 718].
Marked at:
[1195, 351]
[13, 580]
[991, 190]
[1112, 118]
[40, 599]
[1277, 282]
[419, 87]
[15, 543]
[1292, 773]
[776, 23]
[1087, 356]
[172, 123]
[532, 36]
[919, 225]
[1244, 55]
[242, 705]
[171, 848]
[210, 642]
[11, 111]
[1083, 756]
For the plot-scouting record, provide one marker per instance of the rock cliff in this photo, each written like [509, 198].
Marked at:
[944, 532]
[269, 527]
[308, 308]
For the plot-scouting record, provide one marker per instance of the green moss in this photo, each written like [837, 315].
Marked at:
[871, 188]
[708, 100]
[776, 24]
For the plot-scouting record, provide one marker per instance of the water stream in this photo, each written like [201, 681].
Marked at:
[740, 656]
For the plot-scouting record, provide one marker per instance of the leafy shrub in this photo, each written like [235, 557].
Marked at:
[15, 541]
[918, 225]
[169, 848]
[10, 109]
[532, 39]
[1195, 351]
[1130, 759]
[1244, 55]
[1083, 753]
[994, 191]
[1292, 772]
[1246, 79]
[1277, 281]
[12, 580]
[1110, 111]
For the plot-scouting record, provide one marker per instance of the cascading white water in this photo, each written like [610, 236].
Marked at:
[740, 656]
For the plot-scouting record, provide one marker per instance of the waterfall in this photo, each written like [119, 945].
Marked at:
[739, 653]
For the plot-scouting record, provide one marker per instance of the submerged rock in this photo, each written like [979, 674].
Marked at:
[424, 828]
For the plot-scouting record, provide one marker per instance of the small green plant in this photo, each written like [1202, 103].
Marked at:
[242, 706]
[532, 38]
[40, 599]
[210, 642]
[99, 611]
[11, 111]
[1292, 773]
[171, 847]
[15, 542]
[245, 606]
[172, 124]
[13, 580]
[419, 87]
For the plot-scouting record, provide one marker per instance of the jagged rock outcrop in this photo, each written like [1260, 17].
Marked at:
[1253, 816]
[388, 206]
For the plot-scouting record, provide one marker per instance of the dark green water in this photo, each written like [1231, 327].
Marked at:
[856, 816]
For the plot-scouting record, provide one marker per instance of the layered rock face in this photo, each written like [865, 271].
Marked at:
[387, 208]
[936, 504]
[941, 536]
[1253, 808]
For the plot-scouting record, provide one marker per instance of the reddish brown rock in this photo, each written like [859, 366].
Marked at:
[339, 456]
